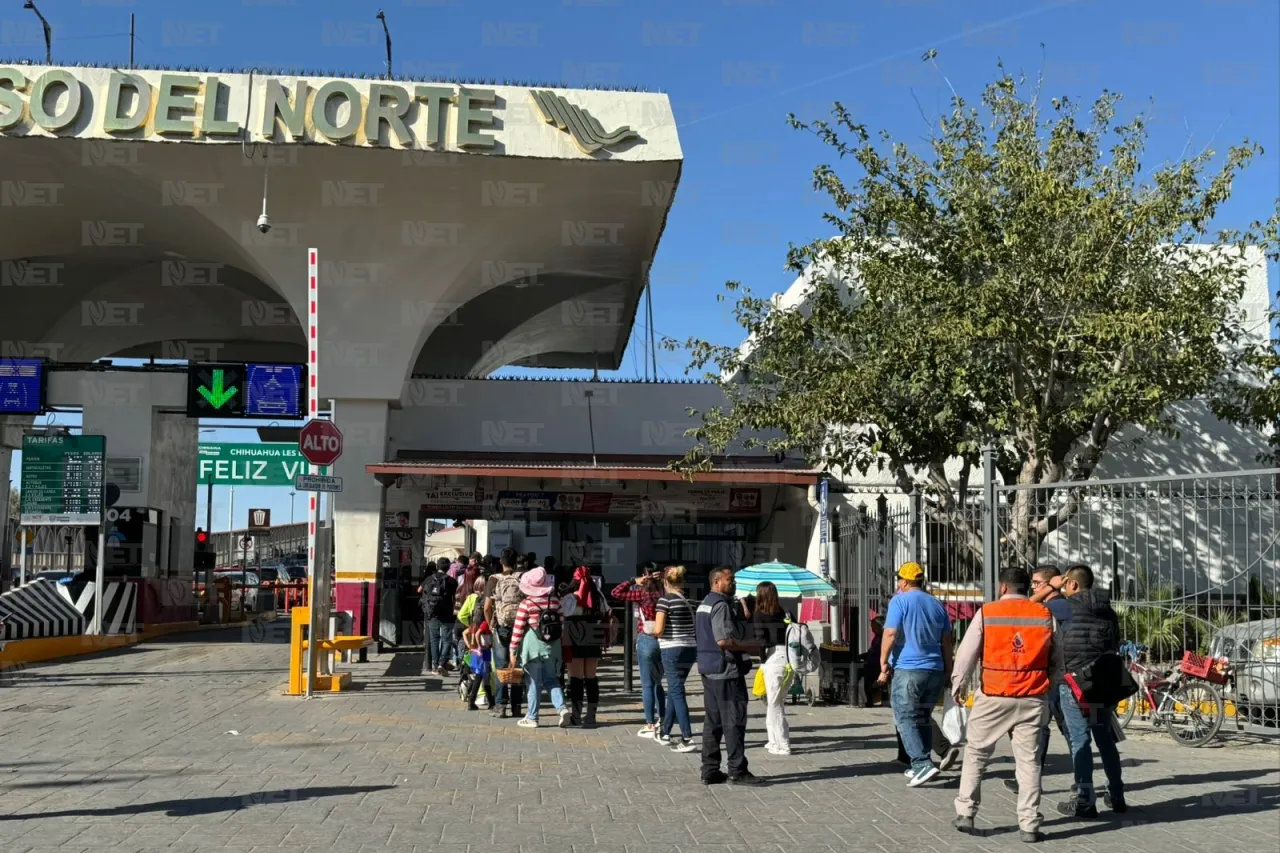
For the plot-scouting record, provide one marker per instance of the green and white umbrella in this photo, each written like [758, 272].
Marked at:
[791, 581]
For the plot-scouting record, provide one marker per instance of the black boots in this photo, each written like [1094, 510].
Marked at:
[577, 687]
[593, 701]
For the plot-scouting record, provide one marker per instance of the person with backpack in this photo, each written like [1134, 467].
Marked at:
[502, 603]
[438, 594]
[536, 644]
[770, 624]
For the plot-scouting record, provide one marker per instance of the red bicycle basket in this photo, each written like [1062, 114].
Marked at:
[1213, 670]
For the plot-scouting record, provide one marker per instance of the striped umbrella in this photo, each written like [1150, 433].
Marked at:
[791, 581]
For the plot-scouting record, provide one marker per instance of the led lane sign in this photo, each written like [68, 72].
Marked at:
[274, 390]
[269, 391]
[21, 386]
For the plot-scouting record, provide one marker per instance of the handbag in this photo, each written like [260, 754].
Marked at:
[1104, 682]
[758, 690]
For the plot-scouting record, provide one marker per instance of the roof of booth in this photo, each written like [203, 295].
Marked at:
[581, 466]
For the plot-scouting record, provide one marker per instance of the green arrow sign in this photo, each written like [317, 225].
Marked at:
[218, 395]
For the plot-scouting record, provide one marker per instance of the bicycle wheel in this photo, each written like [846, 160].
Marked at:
[1196, 713]
[1127, 708]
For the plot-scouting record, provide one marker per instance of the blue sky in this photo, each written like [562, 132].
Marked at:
[733, 70]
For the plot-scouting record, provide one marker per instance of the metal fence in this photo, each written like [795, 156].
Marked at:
[1187, 560]
[1190, 561]
[874, 541]
[280, 541]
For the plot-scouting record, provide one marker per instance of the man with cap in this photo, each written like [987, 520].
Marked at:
[916, 652]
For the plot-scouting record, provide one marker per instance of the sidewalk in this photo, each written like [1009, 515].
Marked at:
[185, 743]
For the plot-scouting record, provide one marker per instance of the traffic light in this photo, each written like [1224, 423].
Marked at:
[206, 558]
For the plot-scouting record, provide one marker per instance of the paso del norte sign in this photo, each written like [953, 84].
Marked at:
[134, 104]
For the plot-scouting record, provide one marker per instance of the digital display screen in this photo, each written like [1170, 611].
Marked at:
[21, 386]
[274, 390]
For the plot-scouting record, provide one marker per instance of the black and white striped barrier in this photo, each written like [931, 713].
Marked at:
[41, 608]
[119, 604]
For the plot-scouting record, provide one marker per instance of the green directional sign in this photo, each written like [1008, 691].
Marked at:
[249, 464]
[217, 394]
[215, 390]
[253, 390]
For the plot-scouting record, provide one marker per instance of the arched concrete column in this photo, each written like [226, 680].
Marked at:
[358, 510]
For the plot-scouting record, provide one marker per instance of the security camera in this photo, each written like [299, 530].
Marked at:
[264, 223]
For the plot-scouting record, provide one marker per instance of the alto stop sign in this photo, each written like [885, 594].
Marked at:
[320, 442]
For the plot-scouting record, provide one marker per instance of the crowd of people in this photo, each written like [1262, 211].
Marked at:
[518, 629]
[1045, 650]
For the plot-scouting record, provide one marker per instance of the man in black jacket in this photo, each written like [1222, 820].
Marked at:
[1092, 631]
[438, 593]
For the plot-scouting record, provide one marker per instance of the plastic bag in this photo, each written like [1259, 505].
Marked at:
[955, 718]
[759, 689]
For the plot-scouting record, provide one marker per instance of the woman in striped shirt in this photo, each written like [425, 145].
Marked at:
[535, 648]
[674, 628]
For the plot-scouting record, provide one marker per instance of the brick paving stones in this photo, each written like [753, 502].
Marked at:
[144, 758]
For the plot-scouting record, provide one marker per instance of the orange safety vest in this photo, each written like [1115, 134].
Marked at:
[1016, 637]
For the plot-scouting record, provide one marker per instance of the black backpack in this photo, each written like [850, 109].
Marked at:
[549, 625]
[433, 592]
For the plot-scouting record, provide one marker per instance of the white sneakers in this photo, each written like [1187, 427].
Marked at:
[918, 779]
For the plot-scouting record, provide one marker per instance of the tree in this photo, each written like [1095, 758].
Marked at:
[1018, 284]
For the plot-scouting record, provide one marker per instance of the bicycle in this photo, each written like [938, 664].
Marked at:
[1185, 701]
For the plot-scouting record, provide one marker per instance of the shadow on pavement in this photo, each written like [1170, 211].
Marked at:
[79, 783]
[192, 807]
[1241, 800]
[843, 771]
[1199, 778]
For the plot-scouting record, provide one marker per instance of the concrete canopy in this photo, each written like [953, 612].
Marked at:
[474, 234]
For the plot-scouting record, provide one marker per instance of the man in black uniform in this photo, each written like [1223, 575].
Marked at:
[722, 662]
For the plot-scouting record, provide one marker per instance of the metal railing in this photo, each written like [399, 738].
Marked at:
[1190, 562]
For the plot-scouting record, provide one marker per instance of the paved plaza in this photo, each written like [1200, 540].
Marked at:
[187, 744]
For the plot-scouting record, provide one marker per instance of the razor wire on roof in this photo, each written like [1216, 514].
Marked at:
[331, 73]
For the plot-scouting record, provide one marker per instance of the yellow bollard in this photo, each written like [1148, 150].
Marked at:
[299, 622]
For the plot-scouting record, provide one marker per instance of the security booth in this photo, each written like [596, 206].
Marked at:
[611, 514]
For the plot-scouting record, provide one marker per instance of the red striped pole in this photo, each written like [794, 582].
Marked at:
[313, 412]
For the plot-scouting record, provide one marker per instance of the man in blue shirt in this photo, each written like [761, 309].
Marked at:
[916, 651]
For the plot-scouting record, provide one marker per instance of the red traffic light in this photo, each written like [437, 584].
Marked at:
[201, 537]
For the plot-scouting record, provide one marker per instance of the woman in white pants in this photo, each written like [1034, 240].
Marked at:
[771, 631]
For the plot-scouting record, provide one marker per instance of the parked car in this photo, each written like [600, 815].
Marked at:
[244, 586]
[273, 574]
[1253, 648]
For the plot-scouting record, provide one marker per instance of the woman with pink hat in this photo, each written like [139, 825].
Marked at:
[536, 643]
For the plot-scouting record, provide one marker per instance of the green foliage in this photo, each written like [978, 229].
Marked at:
[1017, 283]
